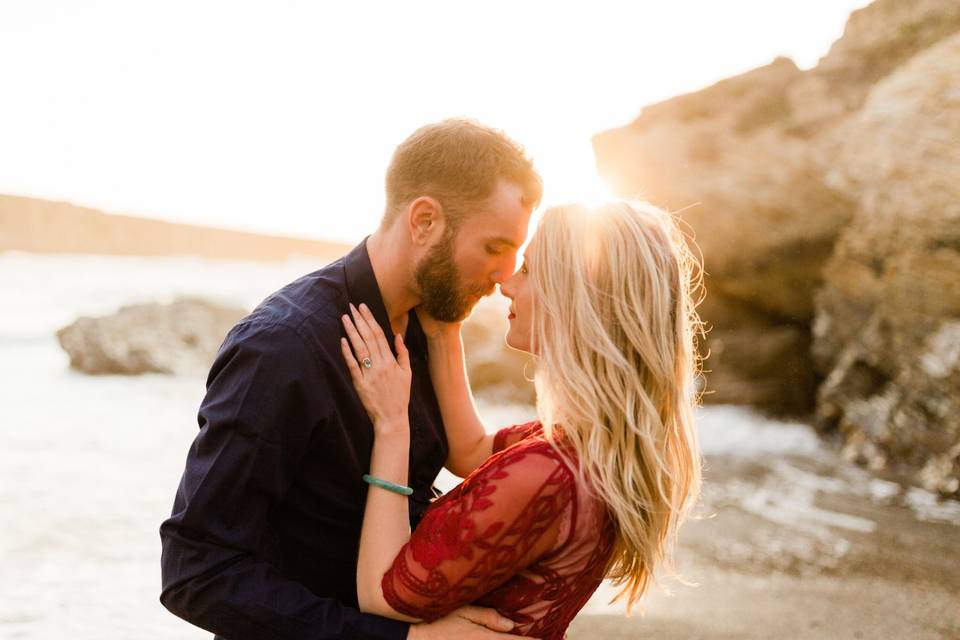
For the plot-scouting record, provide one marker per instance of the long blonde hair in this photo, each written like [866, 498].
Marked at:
[614, 309]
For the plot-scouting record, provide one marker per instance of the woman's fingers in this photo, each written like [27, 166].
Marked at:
[351, 361]
[403, 356]
[359, 346]
[367, 333]
[377, 330]
[369, 340]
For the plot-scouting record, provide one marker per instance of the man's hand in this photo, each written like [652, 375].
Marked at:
[466, 623]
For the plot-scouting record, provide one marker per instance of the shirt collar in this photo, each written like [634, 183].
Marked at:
[362, 287]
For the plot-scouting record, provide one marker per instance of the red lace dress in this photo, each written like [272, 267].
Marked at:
[518, 535]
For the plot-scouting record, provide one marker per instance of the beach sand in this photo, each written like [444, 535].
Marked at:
[855, 562]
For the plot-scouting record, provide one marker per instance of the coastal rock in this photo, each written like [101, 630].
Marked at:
[759, 208]
[762, 215]
[750, 165]
[181, 337]
[887, 328]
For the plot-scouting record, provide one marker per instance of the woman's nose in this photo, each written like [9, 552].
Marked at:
[506, 288]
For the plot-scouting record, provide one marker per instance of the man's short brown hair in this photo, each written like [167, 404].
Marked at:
[458, 162]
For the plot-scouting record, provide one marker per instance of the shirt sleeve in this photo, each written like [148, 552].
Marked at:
[505, 516]
[509, 436]
[261, 408]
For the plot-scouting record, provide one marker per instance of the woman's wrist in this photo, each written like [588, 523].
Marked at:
[449, 333]
[390, 457]
[445, 343]
[395, 429]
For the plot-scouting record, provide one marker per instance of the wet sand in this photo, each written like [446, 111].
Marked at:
[801, 548]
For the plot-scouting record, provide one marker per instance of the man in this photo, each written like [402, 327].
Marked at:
[264, 535]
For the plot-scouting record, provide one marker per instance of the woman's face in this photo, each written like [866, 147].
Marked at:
[518, 289]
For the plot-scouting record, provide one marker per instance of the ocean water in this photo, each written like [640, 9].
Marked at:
[89, 464]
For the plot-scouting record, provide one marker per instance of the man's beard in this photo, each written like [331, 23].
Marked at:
[443, 296]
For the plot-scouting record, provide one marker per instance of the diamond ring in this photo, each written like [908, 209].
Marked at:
[367, 363]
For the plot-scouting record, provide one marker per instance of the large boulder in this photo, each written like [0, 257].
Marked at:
[181, 337]
[761, 213]
[750, 165]
[887, 329]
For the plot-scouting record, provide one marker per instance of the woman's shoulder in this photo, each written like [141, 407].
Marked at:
[532, 458]
[509, 436]
[520, 468]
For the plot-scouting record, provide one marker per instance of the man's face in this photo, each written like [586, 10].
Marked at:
[464, 266]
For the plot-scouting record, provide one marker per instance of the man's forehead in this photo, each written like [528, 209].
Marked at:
[511, 232]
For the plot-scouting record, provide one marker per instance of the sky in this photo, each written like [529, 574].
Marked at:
[281, 116]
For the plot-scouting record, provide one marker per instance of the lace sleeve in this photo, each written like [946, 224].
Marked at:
[507, 514]
[511, 435]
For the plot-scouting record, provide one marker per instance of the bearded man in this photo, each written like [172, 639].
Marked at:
[264, 535]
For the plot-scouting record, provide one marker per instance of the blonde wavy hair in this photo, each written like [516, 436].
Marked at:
[613, 295]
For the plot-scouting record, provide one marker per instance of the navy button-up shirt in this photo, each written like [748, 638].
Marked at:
[265, 530]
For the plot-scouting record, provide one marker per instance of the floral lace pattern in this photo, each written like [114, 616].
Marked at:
[517, 535]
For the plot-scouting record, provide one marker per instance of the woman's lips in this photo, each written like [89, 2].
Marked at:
[511, 316]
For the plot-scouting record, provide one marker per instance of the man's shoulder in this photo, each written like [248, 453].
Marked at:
[312, 299]
[306, 310]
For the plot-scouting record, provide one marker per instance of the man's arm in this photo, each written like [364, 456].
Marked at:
[258, 415]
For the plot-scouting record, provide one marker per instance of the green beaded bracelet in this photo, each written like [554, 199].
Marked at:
[389, 486]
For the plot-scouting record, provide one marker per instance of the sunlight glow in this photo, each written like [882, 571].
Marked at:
[281, 117]
[569, 176]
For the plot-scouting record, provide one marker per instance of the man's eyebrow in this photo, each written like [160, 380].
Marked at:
[507, 241]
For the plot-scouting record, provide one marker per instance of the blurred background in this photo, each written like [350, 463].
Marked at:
[165, 166]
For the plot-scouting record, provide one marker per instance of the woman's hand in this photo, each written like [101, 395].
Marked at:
[381, 381]
[435, 329]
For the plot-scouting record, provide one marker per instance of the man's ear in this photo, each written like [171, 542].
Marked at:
[424, 220]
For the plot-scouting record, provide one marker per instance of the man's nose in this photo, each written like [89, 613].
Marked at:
[504, 270]
[506, 288]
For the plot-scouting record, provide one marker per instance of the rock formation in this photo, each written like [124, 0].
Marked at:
[824, 203]
[887, 328]
[181, 337]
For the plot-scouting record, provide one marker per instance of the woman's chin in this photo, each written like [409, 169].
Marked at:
[516, 345]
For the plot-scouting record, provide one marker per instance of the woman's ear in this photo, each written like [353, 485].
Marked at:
[424, 220]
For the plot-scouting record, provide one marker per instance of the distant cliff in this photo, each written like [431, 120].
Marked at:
[42, 226]
[827, 206]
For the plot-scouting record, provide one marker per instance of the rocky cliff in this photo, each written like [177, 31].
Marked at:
[887, 324]
[825, 203]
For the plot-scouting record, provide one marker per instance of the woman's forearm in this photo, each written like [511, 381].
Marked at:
[386, 523]
[468, 441]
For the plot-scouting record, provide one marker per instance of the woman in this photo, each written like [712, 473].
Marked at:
[595, 488]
